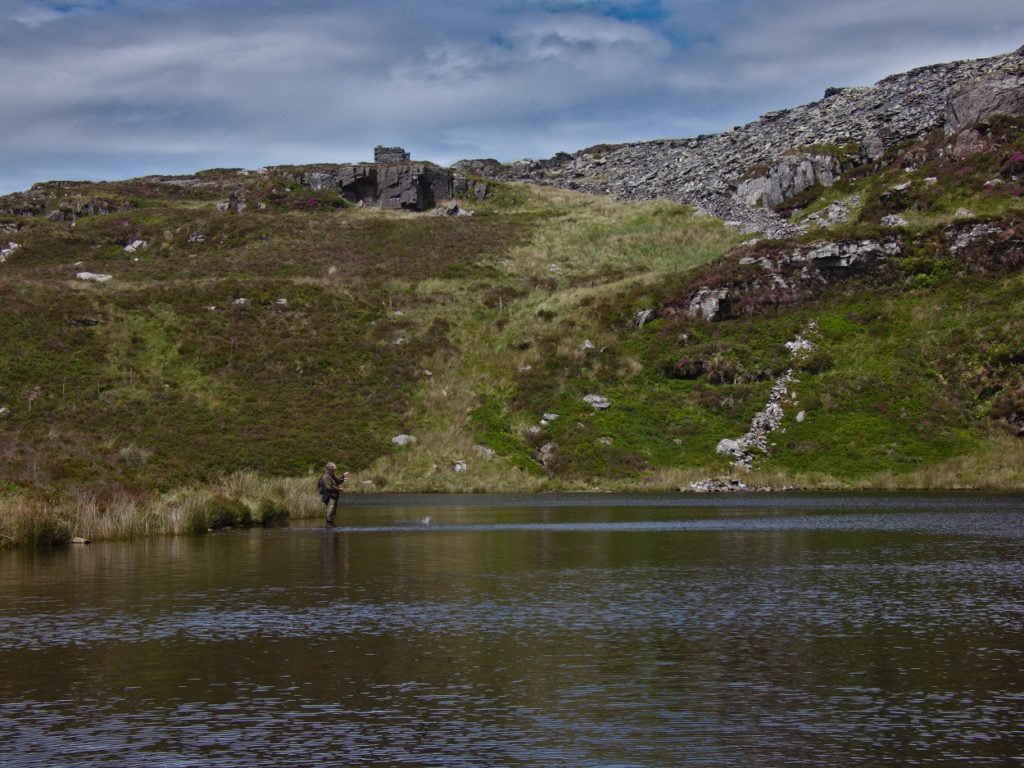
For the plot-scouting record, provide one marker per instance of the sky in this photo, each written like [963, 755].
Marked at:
[111, 89]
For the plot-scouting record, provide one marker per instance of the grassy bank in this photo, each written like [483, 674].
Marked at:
[246, 499]
[241, 500]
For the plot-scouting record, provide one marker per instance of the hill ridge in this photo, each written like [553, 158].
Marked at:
[708, 171]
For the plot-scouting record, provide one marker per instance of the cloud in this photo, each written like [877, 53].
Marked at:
[103, 89]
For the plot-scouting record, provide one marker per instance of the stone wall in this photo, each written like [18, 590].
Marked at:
[390, 155]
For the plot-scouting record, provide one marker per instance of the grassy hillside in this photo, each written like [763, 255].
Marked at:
[302, 329]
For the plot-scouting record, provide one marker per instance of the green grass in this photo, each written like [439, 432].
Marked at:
[358, 325]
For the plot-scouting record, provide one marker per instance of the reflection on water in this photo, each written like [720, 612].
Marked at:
[549, 631]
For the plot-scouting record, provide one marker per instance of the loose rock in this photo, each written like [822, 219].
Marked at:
[730, 174]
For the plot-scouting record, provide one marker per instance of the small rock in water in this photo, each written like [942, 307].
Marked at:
[719, 485]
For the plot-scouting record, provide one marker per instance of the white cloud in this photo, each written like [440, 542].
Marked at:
[140, 86]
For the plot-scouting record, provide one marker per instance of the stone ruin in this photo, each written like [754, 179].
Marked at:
[391, 181]
[390, 155]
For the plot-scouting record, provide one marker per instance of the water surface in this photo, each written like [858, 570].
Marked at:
[596, 630]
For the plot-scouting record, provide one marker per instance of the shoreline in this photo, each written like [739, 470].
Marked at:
[246, 500]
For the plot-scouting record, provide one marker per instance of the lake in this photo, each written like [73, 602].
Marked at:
[553, 630]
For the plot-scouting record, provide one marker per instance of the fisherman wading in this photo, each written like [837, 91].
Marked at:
[329, 486]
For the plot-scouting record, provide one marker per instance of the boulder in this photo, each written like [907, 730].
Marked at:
[1000, 93]
[894, 220]
[545, 455]
[835, 213]
[484, 452]
[93, 277]
[403, 441]
[969, 143]
[642, 317]
[795, 173]
[708, 304]
[597, 402]
[451, 209]
[728, 447]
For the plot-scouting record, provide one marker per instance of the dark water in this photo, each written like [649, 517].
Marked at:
[546, 631]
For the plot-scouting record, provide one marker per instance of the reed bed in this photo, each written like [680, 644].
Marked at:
[34, 519]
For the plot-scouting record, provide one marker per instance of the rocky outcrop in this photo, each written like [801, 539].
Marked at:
[775, 277]
[1000, 93]
[407, 186]
[707, 171]
[789, 177]
[764, 276]
[415, 186]
[46, 200]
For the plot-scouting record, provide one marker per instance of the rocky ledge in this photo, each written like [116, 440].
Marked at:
[758, 277]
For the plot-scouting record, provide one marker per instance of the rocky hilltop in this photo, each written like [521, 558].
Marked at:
[742, 175]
